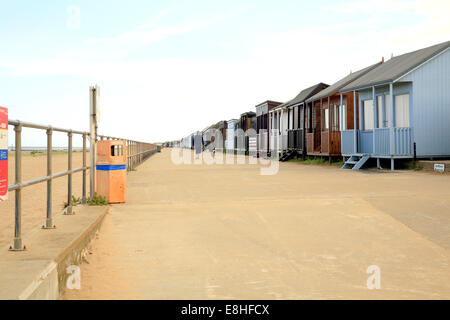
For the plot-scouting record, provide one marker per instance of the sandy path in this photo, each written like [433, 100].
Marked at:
[201, 232]
[34, 201]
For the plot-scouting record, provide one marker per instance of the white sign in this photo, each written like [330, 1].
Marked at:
[439, 167]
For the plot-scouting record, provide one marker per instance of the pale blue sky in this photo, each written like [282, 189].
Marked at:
[168, 68]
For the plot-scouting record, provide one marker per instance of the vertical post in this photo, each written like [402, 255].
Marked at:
[83, 195]
[280, 132]
[269, 120]
[279, 120]
[128, 155]
[93, 94]
[361, 116]
[69, 176]
[304, 131]
[375, 118]
[18, 246]
[268, 133]
[391, 124]
[330, 116]
[49, 220]
[341, 113]
[355, 130]
[288, 125]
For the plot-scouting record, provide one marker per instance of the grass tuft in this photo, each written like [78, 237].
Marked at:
[97, 200]
[318, 161]
[75, 201]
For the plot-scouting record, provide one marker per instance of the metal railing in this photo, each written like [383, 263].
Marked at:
[137, 153]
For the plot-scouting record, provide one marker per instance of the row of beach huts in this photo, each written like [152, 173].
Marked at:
[394, 109]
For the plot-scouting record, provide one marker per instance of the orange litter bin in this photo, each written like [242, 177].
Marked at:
[111, 169]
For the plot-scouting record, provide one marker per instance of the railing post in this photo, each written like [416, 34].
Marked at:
[128, 153]
[49, 219]
[18, 246]
[83, 196]
[131, 155]
[93, 118]
[69, 176]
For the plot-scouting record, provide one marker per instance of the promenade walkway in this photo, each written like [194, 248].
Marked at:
[308, 232]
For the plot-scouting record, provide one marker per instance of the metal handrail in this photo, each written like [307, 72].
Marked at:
[137, 153]
[28, 183]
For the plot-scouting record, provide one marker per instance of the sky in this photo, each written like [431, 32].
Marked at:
[169, 68]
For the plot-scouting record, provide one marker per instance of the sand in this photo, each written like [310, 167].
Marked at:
[308, 232]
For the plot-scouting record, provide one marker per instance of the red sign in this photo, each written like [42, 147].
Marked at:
[3, 153]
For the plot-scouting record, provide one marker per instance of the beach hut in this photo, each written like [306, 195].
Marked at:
[222, 127]
[325, 111]
[296, 121]
[230, 136]
[404, 107]
[262, 126]
[278, 120]
[246, 122]
[209, 138]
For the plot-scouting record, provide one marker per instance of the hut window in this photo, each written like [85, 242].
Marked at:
[368, 115]
[279, 122]
[380, 111]
[402, 111]
[327, 118]
[302, 117]
[335, 118]
[294, 118]
[387, 109]
[344, 118]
